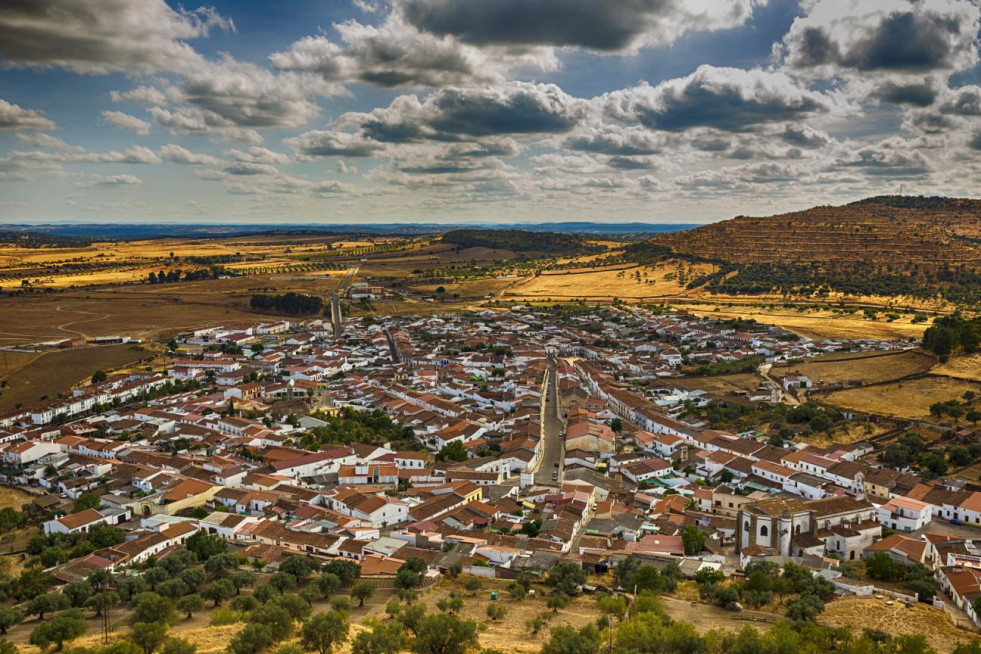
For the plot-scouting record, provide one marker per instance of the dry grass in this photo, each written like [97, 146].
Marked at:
[511, 634]
[719, 384]
[816, 324]
[145, 311]
[57, 371]
[616, 282]
[861, 367]
[13, 497]
[909, 399]
[964, 367]
[869, 613]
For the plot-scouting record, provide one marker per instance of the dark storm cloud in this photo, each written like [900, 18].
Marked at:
[889, 37]
[610, 25]
[920, 94]
[727, 99]
[516, 108]
[102, 36]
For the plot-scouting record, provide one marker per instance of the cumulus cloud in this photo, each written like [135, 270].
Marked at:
[14, 117]
[453, 113]
[134, 155]
[45, 141]
[612, 25]
[395, 53]
[248, 96]
[328, 143]
[894, 158]
[103, 36]
[728, 99]
[258, 155]
[247, 168]
[196, 121]
[913, 93]
[126, 122]
[833, 37]
[615, 140]
[118, 181]
[140, 94]
[179, 155]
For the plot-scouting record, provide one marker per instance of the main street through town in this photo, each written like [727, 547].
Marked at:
[552, 431]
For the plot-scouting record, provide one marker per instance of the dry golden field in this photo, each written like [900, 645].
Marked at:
[964, 367]
[621, 282]
[57, 371]
[869, 613]
[101, 263]
[909, 399]
[719, 384]
[814, 324]
[866, 368]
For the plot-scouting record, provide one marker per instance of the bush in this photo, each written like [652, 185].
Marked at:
[224, 616]
[496, 611]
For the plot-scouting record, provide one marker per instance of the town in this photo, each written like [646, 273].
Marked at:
[493, 444]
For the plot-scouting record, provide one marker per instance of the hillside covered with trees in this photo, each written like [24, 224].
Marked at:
[518, 240]
[923, 247]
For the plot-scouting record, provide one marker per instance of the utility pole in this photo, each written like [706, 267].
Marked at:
[106, 624]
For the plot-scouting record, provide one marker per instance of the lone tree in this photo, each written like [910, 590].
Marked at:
[324, 630]
[8, 618]
[149, 636]
[190, 604]
[362, 592]
[445, 634]
[63, 627]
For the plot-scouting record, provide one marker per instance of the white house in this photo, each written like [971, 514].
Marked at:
[904, 514]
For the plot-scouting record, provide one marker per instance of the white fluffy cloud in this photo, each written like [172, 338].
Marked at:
[14, 117]
[179, 155]
[395, 53]
[126, 122]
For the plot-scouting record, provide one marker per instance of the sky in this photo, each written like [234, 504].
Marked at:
[511, 111]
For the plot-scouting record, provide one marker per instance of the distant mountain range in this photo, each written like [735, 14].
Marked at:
[199, 230]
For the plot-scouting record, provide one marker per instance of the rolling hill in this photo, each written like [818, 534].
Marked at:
[923, 247]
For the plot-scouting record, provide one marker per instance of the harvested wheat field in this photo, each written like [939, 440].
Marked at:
[910, 399]
[868, 613]
[964, 367]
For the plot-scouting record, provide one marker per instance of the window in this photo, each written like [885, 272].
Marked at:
[764, 530]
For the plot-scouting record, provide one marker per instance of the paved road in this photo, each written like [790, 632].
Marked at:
[347, 279]
[553, 440]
